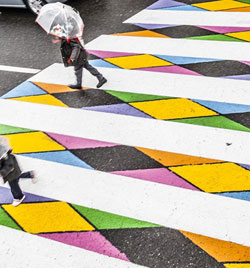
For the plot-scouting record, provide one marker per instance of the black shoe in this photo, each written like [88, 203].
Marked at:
[75, 86]
[101, 82]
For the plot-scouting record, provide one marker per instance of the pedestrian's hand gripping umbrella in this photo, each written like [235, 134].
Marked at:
[60, 20]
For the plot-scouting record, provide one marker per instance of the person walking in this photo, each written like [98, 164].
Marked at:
[74, 54]
[66, 24]
[10, 171]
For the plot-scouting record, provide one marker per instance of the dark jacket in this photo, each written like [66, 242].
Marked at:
[73, 53]
[9, 167]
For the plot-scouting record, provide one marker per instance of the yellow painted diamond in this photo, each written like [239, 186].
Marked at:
[237, 265]
[42, 99]
[146, 33]
[241, 35]
[221, 5]
[48, 217]
[223, 177]
[173, 109]
[138, 61]
[33, 142]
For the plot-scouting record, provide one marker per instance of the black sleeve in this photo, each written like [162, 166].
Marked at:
[7, 167]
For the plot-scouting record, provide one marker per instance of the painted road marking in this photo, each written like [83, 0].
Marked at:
[162, 84]
[34, 251]
[176, 210]
[232, 19]
[174, 207]
[18, 69]
[215, 143]
[172, 47]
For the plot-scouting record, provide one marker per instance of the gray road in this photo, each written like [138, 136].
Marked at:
[24, 44]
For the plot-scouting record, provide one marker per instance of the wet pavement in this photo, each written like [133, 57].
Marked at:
[197, 169]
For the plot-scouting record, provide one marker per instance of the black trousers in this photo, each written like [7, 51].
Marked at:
[79, 72]
[14, 185]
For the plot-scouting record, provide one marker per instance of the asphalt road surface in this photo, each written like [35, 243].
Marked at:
[24, 44]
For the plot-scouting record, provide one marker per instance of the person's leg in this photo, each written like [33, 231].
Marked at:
[15, 189]
[29, 175]
[96, 73]
[93, 70]
[26, 175]
[78, 73]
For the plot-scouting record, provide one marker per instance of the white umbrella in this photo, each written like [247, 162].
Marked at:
[60, 20]
[4, 146]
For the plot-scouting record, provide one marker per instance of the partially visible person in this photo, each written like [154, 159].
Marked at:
[74, 54]
[10, 171]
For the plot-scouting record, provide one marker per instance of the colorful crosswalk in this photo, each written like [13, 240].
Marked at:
[152, 167]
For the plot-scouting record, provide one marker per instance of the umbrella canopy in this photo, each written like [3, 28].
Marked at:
[60, 20]
[4, 146]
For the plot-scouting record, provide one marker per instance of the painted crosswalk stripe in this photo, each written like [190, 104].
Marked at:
[163, 84]
[172, 47]
[228, 19]
[33, 251]
[215, 143]
[18, 69]
[196, 212]
[174, 207]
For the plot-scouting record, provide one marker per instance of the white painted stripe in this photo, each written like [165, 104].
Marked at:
[207, 214]
[173, 47]
[20, 249]
[163, 84]
[18, 69]
[128, 130]
[232, 19]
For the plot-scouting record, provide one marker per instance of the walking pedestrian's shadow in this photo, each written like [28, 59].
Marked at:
[87, 98]
[98, 97]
